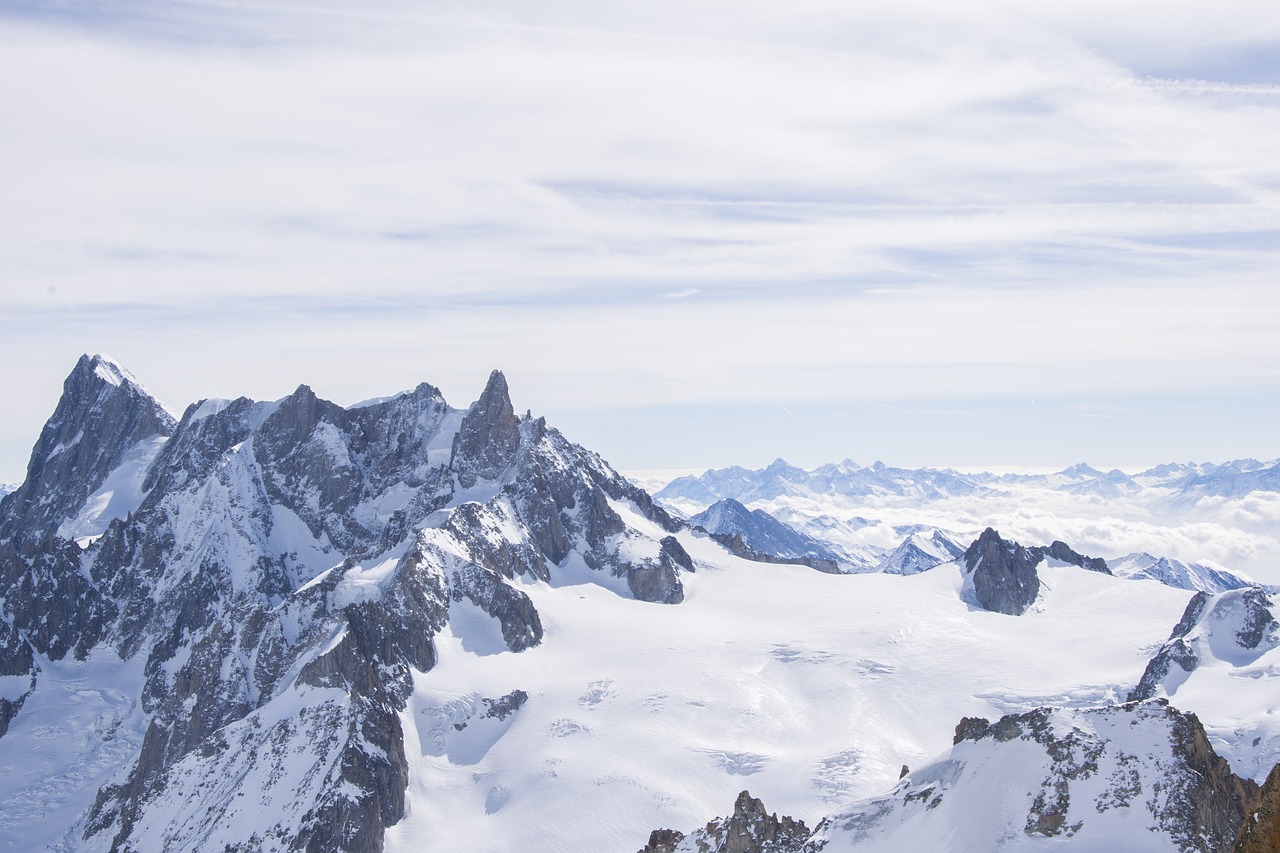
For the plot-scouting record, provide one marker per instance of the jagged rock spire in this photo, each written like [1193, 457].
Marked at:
[1003, 573]
[102, 414]
[487, 442]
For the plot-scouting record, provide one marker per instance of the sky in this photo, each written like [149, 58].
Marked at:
[691, 234]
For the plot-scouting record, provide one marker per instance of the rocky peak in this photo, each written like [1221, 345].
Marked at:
[1003, 574]
[1236, 624]
[102, 414]
[1064, 553]
[489, 437]
[749, 829]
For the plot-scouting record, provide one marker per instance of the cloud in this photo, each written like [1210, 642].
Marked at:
[880, 200]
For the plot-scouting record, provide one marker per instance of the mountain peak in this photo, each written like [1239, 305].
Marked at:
[487, 441]
[1002, 574]
[102, 414]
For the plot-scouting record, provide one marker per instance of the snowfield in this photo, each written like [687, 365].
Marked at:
[809, 689]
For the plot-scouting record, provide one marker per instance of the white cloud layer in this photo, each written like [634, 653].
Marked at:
[634, 206]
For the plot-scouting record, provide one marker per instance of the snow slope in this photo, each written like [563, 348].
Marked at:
[811, 689]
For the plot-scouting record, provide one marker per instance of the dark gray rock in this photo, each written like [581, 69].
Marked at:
[1003, 574]
[663, 841]
[16, 659]
[1176, 652]
[102, 414]
[505, 706]
[486, 444]
[1259, 624]
[1203, 802]
[1257, 632]
[1064, 553]
[1191, 615]
[750, 828]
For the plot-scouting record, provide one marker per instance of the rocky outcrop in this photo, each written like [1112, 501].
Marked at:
[1089, 776]
[1002, 573]
[1260, 832]
[1064, 553]
[17, 662]
[102, 414]
[1258, 627]
[750, 828]
[486, 444]
[663, 841]
[1175, 652]
[1237, 623]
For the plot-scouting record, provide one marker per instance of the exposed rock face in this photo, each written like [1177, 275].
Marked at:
[1064, 553]
[505, 706]
[749, 829]
[102, 415]
[276, 586]
[663, 841]
[1089, 773]
[490, 435]
[1003, 574]
[1090, 777]
[1236, 625]
[1175, 652]
[15, 660]
[1260, 832]
[1258, 627]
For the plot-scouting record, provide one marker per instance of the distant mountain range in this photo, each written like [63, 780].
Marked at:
[847, 478]
[870, 517]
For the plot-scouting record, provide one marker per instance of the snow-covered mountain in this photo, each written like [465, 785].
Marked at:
[920, 552]
[845, 478]
[1192, 576]
[402, 625]
[267, 593]
[1196, 518]
[762, 533]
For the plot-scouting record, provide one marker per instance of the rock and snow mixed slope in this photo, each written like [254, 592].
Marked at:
[1137, 777]
[269, 594]
[408, 625]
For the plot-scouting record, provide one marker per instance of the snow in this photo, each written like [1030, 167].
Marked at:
[209, 407]
[12, 687]
[361, 583]
[779, 678]
[109, 371]
[75, 733]
[120, 494]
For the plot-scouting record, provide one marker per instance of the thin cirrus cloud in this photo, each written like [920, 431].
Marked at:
[637, 206]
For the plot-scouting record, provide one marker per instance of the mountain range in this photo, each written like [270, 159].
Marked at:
[402, 625]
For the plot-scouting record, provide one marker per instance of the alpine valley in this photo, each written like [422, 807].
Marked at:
[406, 626]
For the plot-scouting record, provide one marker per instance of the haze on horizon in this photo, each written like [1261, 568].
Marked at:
[692, 235]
